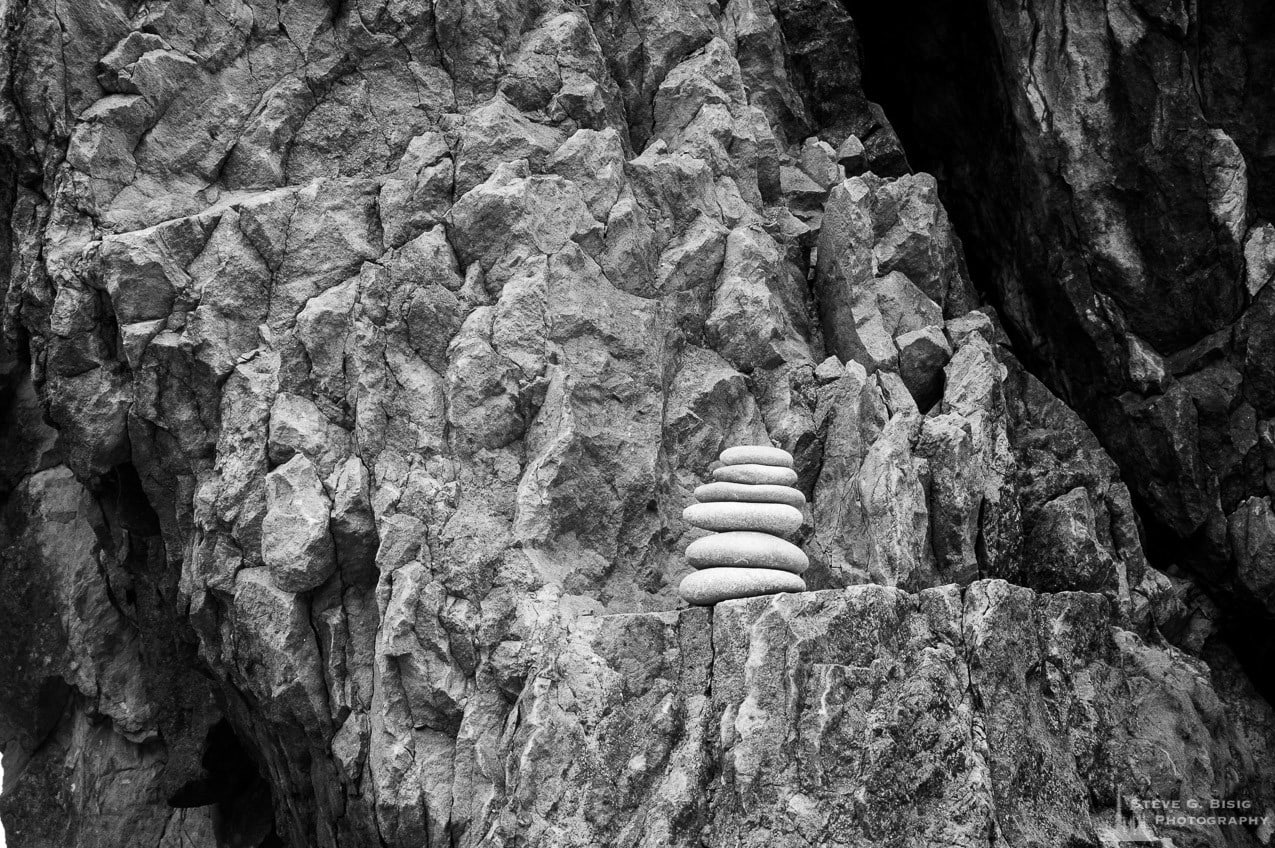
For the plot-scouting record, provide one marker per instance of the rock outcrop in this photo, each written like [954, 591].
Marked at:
[1107, 165]
[359, 359]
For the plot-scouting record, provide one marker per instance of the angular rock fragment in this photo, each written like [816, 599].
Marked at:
[1252, 536]
[922, 355]
[851, 156]
[296, 542]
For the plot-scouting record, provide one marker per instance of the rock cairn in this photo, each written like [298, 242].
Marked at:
[752, 505]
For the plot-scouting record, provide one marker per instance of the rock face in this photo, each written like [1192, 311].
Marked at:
[359, 359]
[1106, 165]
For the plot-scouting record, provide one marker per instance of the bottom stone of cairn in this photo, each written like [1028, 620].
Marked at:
[724, 582]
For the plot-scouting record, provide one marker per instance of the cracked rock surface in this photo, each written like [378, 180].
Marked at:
[359, 359]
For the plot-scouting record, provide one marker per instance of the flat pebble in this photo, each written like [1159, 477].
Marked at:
[766, 475]
[713, 585]
[756, 455]
[779, 519]
[711, 492]
[746, 549]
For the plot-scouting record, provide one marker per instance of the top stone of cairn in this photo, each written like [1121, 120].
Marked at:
[756, 455]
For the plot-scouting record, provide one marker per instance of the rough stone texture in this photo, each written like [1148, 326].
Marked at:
[296, 544]
[1107, 169]
[440, 312]
[1009, 698]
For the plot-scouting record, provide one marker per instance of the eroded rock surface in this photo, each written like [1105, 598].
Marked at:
[359, 360]
[1105, 165]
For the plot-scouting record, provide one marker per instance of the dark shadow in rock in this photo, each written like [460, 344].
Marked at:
[231, 780]
[1067, 311]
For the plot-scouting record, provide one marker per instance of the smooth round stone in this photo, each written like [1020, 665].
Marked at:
[756, 455]
[765, 475]
[713, 585]
[711, 492]
[746, 549]
[779, 519]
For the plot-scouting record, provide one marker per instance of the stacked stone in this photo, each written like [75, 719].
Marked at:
[752, 505]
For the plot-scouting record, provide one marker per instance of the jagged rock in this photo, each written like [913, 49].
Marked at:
[851, 413]
[594, 161]
[299, 427]
[275, 650]
[1146, 367]
[512, 214]
[352, 523]
[1252, 535]
[912, 235]
[955, 661]
[497, 132]
[296, 543]
[844, 267]
[657, 761]
[922, 355]
[800, 190]
[851, 156]
[1078, 271]
[892, 488]
[819, 161]
[829, 370]
[1055, 452]
[957, 329]
[694, 255]
[710, 405]
[904, 308]
[416, 196]
[1063, 548]
[957, 492]
[1259, 257]
[749, 323]
[358, 359]
[872, 296]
